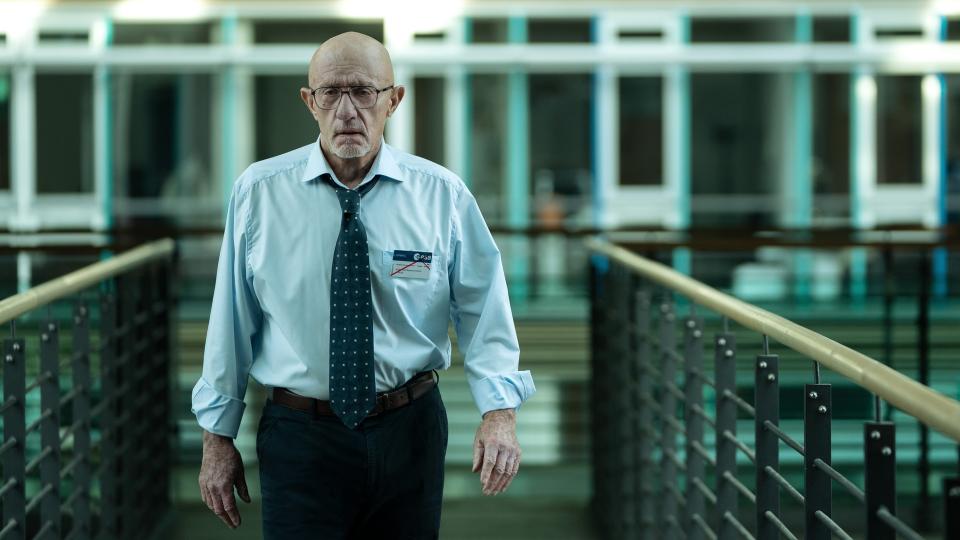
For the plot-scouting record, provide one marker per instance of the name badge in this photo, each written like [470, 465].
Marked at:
[411, 264]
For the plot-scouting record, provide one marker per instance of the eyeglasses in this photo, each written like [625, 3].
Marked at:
[363, 97]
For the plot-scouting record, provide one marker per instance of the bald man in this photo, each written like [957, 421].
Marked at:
[342, 264]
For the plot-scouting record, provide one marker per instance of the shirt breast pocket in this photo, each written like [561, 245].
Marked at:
[414, 283]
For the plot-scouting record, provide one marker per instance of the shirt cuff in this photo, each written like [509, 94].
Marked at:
[504, 391]
[216, 412]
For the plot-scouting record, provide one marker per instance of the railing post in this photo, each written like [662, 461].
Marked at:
[951, 507]
[923, 377]
[647, 467]
[767, 406]
[50, 428]
[817, 412]
[889, 294]
[14, 437]
[153, 487]
[127, 398]
[670, 521]
[165, 294]
[621, 411]
[600, 281]
[693, 399]
[109, 469]
[81, 421]
[725, 377]
[880, 473]
[138, 471]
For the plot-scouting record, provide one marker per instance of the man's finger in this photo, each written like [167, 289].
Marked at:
[477, 454]
[499, 468]
[489, 460]
[204, 496]
[242, 490]
[507, 474]
[513, 473]
[217, 507]
[230, 508]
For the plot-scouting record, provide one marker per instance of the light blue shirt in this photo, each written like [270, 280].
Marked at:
[271, 305]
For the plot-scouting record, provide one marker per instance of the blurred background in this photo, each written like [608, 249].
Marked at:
[800, 154]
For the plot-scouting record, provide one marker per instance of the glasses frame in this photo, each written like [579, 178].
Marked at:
[346, 90]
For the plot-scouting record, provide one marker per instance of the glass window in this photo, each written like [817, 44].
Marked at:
[831, 29]
[4, 131]
[899, 129]
[64, 124]
[488, 135]
[558, 31]
[560, 143]
[161, 34]
[831, 145]
[282, 120]
[953, 29]
[737, 30]
[312, 31]
[488, 30]
[737, 139]
[641, 130]
[162, 142]
[429, 136]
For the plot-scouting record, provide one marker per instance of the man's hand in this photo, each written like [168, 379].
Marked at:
[496, 452]
[221, 470]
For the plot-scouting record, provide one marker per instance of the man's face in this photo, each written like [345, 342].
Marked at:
[346, 130]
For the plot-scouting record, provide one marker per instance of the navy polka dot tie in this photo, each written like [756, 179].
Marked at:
[352, 385]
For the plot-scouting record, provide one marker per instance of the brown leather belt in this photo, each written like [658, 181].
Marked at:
[416, 387]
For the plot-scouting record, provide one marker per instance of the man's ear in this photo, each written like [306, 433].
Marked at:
[306, 96]
[396, 98]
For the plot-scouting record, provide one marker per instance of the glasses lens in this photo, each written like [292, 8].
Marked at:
[327, 97]
[363, 96]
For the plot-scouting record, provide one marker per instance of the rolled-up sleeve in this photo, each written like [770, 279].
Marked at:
[481, 314]
[235, 318]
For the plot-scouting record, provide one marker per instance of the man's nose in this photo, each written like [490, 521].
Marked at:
[346, 109]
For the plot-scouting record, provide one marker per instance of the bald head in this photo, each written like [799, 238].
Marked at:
[351, 58]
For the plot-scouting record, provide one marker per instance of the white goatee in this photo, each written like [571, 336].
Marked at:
[350, 151]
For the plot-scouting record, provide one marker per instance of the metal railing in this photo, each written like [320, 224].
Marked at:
[654, 476]
[101, 467]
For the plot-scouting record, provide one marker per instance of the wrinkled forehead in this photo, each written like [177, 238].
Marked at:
[350, 68]
[343, 76]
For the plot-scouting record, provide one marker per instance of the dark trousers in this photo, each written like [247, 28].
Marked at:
[320, 480]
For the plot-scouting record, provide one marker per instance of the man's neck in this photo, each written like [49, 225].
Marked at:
[351, 171]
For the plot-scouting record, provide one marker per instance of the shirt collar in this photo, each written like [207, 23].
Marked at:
[384, 165]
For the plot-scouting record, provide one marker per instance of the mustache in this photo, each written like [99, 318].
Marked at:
[349, 129]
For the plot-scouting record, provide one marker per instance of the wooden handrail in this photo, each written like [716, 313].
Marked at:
[928, 406]
[18, 304]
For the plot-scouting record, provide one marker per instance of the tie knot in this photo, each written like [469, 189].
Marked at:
[349, 200]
